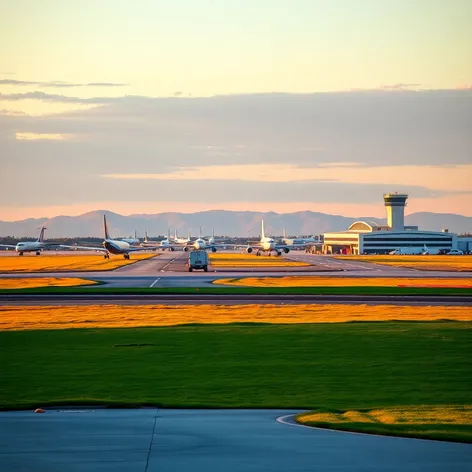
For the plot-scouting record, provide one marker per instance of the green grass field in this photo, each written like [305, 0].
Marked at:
[329, 290]
[342, 366]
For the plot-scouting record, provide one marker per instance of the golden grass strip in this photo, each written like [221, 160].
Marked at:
[323, 281]
[13, 283]
[251, 260]
[66, 263]
[442, 263]
[404, 415]
[117, 316]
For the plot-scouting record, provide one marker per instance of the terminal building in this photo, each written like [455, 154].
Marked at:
[367, 237]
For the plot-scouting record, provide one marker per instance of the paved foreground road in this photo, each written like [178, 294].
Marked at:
[205, 440]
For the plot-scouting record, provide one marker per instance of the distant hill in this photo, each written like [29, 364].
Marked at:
[225, 223]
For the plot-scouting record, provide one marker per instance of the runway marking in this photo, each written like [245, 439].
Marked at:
[155, 282]
[282, 420]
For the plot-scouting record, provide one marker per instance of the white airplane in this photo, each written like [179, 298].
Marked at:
[133, 241]
[178, 240]
[298, 241]
[162, 245]
[201, 245]
[32, 246]
[267, 245]
[114, 246]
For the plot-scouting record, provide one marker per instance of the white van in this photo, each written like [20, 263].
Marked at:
[197, 260]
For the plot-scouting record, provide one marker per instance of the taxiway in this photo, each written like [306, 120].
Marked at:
[147, 440]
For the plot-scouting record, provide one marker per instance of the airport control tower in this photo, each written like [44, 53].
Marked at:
[395, 204]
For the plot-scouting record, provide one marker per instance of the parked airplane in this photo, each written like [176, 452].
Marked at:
[298, 241]
[133, 241]
[178, 240]
[163, 244]
[114, 246]
[33, 246]
[267, 245]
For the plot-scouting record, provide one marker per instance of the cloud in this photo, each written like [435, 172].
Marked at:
[450, 179]
[399, 86]
[318, 148]
[40, 136]
[58, 84]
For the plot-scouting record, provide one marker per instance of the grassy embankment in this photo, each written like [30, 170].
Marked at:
[442, 263]
[323, 281]
[37, 282]
[337, 368]
[251, 260]
[61, 263]
[448, 422]
[120, 316]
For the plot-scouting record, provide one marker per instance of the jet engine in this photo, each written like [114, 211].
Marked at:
[249, 250]
[185, 249]
[213, 249]
[286, 250]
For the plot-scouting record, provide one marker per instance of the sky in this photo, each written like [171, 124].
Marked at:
[267, 105]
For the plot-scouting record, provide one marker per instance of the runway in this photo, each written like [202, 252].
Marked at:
[231, 299]
[169, 270]
[149, 440]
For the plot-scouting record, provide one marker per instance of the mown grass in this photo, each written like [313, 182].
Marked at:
[323, 281]
[340, 367]
[66, 263]
[251, 260]
[119, 316]
[15, 282]
[442, 263]
[227, 290]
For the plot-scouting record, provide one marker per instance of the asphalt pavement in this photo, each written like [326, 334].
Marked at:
[169, 270]
[148, 440]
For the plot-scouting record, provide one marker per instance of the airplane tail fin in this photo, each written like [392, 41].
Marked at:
[145, 237]
[175, 234]
[213, 234]
[189, 236]
[262, 231]
[105, 227]
[168, 235]
[285, 235]
[41, 235]
[135, 234]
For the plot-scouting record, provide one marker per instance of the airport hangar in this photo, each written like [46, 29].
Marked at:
[364, 237]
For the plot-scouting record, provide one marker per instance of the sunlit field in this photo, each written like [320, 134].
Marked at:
[336, 367]
[62, 263]
[444, 263]
[251, 260]
[116, 316]
[14, 283]
[316, 281]
[440, 421]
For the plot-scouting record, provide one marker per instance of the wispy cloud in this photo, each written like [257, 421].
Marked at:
[40, 136]
[453, 179]
[58, 84]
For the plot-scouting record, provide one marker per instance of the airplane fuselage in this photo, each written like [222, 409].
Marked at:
[116, 247]
[29, 247]
[268, 244]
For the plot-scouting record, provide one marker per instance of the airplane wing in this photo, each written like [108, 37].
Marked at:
[146, 248]
[85, 248]
[283, 247]
[7, 245]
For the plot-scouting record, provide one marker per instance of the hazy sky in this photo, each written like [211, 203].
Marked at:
[280, 105]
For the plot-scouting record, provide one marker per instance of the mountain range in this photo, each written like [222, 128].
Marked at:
[225, 223]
